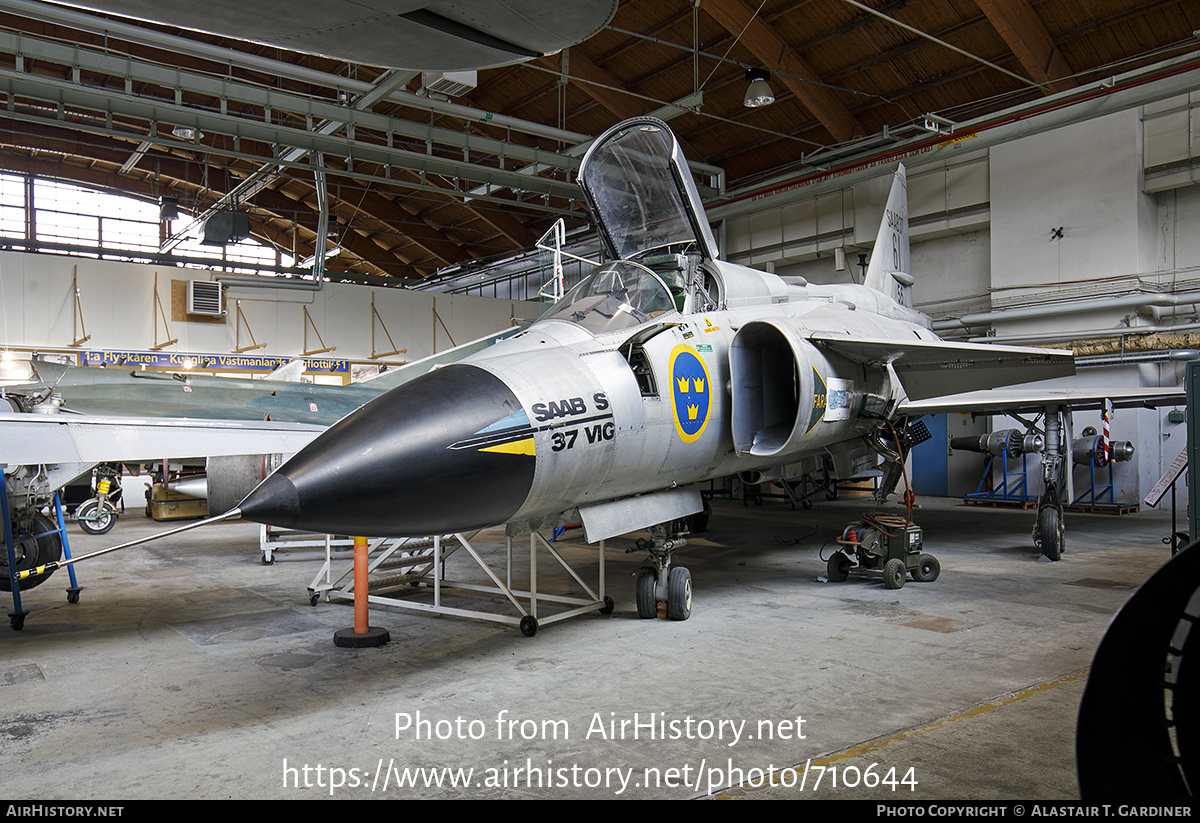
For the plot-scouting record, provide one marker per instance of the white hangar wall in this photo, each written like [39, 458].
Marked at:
[119, 311]
[991, 264]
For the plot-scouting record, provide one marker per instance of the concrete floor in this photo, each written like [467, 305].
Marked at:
[190, 670]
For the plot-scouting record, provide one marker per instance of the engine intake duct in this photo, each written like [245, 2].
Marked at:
[1014, 441]
[788, 395]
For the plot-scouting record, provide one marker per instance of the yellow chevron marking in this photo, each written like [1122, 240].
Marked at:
[516, 447]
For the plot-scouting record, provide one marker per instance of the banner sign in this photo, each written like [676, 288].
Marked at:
[208, 362]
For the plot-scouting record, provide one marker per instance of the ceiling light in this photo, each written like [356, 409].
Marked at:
[168, 208]
[758, 93]
[187, 133]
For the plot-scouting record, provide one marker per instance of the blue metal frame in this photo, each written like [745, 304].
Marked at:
[1012, 487]
[1093, 495]
[17, 615]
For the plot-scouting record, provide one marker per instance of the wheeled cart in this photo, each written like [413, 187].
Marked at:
[887, 544]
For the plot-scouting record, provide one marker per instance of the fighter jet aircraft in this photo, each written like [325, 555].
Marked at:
[68, 419]
[89, 390]
[664, 368]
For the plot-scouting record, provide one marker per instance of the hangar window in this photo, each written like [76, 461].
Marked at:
[61, 218]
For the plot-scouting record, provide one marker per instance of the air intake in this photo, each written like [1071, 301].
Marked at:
[449, 83]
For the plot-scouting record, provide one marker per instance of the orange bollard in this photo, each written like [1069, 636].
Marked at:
[360, 586]
[361, 635]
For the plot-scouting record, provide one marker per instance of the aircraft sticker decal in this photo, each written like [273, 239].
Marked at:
[515, 433]
[820, 400]
[691, 393]
[509, 435]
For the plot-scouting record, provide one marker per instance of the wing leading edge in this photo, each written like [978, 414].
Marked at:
[1037, 399]
[932, 369]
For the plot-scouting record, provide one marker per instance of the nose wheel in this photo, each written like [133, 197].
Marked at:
[644, 586]
[677, 595]
[659, 582]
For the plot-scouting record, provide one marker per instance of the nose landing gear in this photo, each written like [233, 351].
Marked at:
[657, 582]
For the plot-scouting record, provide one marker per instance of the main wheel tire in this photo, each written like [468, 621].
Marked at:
[32, 551]
[94, 520]
[647, 605]
[894, 572]
[679, 594]
[927, 570]
[837, 568]
[1051, 533]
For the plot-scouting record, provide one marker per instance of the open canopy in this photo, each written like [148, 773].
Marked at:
[641, 192]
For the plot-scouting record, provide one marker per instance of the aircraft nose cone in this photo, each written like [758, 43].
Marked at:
[447, 451]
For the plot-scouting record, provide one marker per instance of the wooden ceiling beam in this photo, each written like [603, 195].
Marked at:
[1032, 45]
[363, 247]
[778, 57]
[598, 84]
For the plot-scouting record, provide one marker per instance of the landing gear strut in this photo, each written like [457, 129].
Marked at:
[657, 582]
[1049, 534]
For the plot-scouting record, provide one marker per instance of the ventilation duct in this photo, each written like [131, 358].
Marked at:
[225, 227]
[449, 83]
[204, 297]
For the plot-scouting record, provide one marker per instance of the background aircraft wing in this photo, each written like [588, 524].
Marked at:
[1001, 401]
[32, 439]
[398, 375]
[932, 368]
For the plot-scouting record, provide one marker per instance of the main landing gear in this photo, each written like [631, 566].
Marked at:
[1049, 533]
[657, 582]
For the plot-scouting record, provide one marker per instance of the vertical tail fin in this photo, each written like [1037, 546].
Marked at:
[888, 271]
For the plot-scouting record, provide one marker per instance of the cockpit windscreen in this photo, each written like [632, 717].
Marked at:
[619, 295]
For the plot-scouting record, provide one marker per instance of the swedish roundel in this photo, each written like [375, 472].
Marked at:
[691, 393]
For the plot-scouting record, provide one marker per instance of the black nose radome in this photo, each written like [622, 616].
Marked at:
[448, 451]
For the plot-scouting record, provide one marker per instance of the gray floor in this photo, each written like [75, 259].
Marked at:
[190, 670]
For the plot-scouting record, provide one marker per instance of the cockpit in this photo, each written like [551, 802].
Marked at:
[619, 295]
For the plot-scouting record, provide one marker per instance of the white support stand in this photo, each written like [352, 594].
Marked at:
[411, 573]
[272, 539]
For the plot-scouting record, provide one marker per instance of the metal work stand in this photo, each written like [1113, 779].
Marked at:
[75, 589]
[16, 618]
[1100, 498]
[405, 572]
[1013, 485]
[272, 539]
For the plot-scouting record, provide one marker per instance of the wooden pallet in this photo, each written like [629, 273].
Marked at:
[1104, 508]
[1000, 503]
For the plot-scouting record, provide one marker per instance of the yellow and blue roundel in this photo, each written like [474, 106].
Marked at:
[691, 393]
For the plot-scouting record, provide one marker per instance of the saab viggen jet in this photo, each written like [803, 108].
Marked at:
[664, 368]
